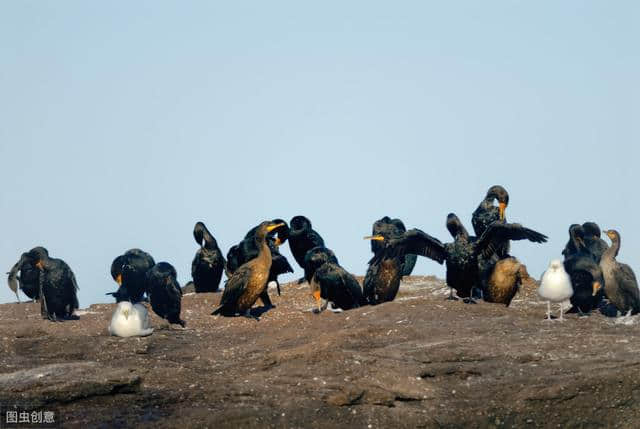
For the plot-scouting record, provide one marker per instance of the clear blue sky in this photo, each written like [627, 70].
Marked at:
[123, 123]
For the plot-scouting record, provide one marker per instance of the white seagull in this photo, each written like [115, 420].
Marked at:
[130, 321]
[555, 286]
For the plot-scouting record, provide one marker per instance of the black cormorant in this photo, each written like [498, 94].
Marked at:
[387, 223]
[585, 273]
[164, 290]
[487, 213]
[593, 241]
[57, 284]
[620, 284]
[27, 281]
[208, 264]
[249, 281]
[329, 281]
[140, 262]
[302, 238]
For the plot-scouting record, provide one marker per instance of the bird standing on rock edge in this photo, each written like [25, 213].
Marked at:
[249, 281]
[302, 238]
[620, 284]
[208, 263]
[555, 286]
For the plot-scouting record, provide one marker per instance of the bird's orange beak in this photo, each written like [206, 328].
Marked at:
[39, 264]
[119, 279]
[375, 237]
[596, 287]
[277, 241]
[502, 207]
[316, 295]
[274, 226]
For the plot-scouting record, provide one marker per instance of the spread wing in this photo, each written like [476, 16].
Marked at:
[417, 242]
[499, 234]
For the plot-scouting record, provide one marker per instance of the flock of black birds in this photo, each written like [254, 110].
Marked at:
[477, 267]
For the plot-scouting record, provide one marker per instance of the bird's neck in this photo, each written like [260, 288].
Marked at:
[612, 251]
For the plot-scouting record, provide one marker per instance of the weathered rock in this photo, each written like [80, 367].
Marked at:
[66, 382]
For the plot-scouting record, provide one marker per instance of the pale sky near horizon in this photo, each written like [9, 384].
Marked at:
[124, 123]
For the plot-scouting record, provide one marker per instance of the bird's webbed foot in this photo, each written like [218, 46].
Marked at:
[248, 315]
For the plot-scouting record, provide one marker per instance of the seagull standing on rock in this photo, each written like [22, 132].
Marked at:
[555, 286]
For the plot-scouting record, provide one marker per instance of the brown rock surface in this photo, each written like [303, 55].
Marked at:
[419, 361]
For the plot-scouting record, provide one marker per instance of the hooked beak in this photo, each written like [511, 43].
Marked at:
[374, 237]
[316, 295]
[119, 279]
[277, 241]
[596, 288]
[274, 226]
[39, 264]
[502, 207]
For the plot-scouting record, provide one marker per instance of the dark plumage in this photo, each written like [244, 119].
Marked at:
[208, 264]
[164, 290]
[487, 213]
[249, 281]
[382, 281]
[247, 249]
[27, 281]
[386, 223]
[329, 281]
[302, 238]
[620, 284]
[139, 262]
[596, 245]
[586, 275]
[465, 255]
[57, 284]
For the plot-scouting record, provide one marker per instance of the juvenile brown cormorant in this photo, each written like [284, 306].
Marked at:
[586, 275]
[329, 281]
[302, 238]
[249, 281]
[382, 281]
[139, 262]
[387, 223]
[208, 264]
[505, 281]
[465, 254]
[57, 284]
[620, 284]
[247, 249]
[164, 291]
[27, 281]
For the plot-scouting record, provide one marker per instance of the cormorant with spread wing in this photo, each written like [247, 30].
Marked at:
[386, 223]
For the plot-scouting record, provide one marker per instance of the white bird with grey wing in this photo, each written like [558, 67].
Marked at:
[130, 320]
[555, 286]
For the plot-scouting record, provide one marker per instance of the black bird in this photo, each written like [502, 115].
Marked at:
[585, 273]
[164, 291]
[487, 213]
[208, 264]
[592, 240]
[302, 238]
[382, 281]
[465, 255]
[27, 281]
[385, 223]
[329, 281]
[57, 284]
[249, 281]
[620, 284]
[247, 249]
[139, 262]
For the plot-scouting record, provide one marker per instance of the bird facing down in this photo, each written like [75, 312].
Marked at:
[139, 263]
[388, 224]
[487, 213]
[592, 240]
[27, 281]
[505, 281]
[302, 238]
[164, 291]
[208, 264]
[58, 286]
[249, 281]
[329, 281]
[585, 273]
[555, 286]
[130, 320]
[620, 284]
[382, 281]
